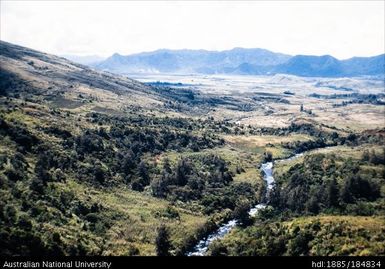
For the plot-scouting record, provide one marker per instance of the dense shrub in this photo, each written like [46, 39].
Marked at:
[320, 184]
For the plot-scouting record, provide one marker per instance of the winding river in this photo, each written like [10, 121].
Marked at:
[200, 249]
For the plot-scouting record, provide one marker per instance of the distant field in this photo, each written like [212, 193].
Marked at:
[250, 141]
[279, 98]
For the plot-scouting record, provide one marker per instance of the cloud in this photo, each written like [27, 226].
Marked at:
[342, 29]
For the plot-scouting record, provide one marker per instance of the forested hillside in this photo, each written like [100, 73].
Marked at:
[93, 163]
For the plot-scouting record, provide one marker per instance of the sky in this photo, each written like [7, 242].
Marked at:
[340, 28]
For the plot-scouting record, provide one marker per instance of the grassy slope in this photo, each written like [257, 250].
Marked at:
[63, 95]
[329, 236]
[137, 214]
[134, 215]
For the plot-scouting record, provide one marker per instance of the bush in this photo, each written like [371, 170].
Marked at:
[320, 185]
[241, 213]
[162, 242]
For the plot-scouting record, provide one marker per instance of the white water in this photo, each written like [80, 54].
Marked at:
[201, 248]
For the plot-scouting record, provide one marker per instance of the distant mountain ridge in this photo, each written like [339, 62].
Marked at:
[243, 62]
[194, 61]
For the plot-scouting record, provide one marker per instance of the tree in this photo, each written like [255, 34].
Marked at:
[99, 173]
[312, 205]
[162, 241]
[45, 161]
[159, 186]
[183, 169]
[355, 187]
[218, 249]
[241, 212]
[301, 108]
[37, 185]
[127, 163]
[58, 175]
[167, 166]
[268, 156]
[299, 244]
[143, 173]
[332, 193]
[136, 185]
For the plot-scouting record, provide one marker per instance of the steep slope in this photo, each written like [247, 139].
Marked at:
[37, 76]
[92, 163]
[49, 71]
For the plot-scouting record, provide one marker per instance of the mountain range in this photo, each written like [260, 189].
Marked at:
[241, 61]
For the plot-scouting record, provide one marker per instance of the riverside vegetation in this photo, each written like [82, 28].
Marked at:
[93, 163]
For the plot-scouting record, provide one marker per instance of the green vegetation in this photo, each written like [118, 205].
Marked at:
[97, 164]
[330, 202]
[45, 169]
[319, 236]
[162, 242]
[327, 183]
